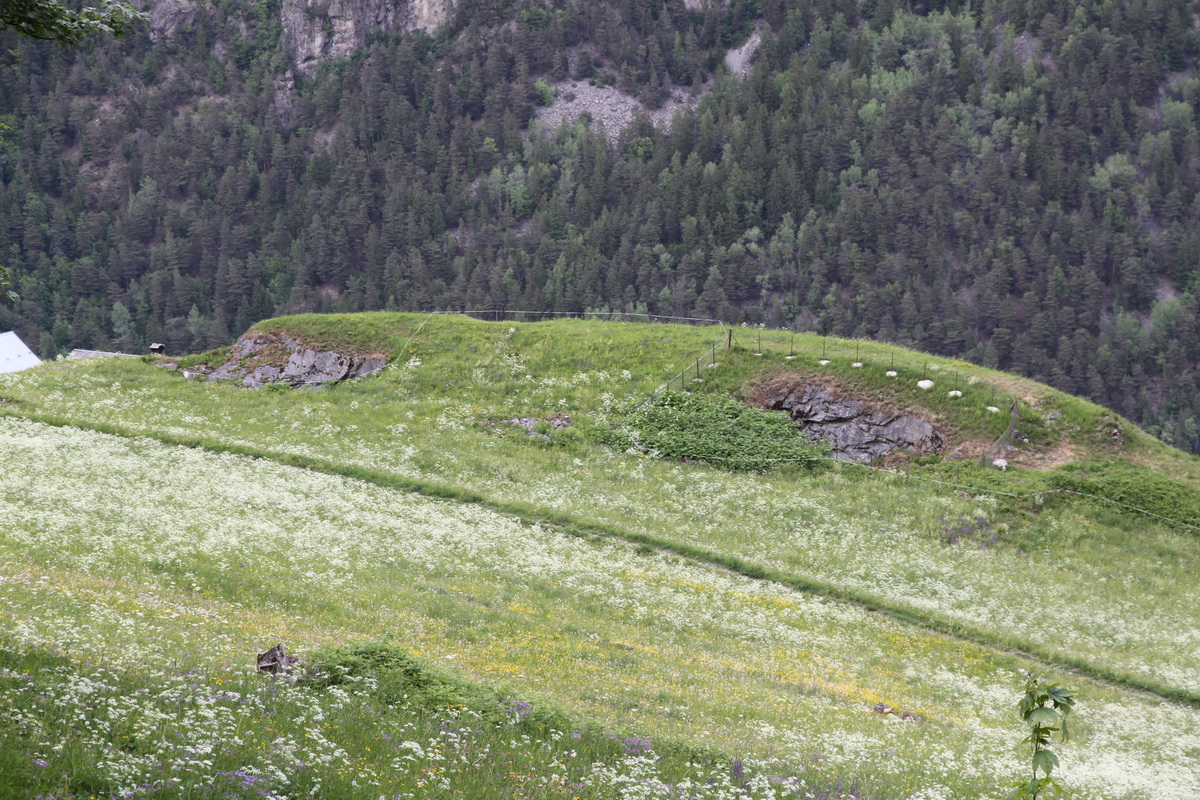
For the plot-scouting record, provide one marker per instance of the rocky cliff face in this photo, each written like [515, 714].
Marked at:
[169, 17]
[317, 29]
[260, 360]
[857, 431]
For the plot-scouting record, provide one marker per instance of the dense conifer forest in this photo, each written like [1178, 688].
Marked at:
[1013, 182]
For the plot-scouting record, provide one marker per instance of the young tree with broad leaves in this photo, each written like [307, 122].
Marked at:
[54, 21]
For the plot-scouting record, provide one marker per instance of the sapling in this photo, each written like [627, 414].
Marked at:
[1045, 709]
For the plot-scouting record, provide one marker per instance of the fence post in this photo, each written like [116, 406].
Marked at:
[729, 339]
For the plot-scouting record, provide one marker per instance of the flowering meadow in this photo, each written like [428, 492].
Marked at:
[1122, 590]
[139, 579]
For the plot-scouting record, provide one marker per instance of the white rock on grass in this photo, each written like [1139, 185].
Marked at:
[925, 384]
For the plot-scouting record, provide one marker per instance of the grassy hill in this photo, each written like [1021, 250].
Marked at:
[490, 614]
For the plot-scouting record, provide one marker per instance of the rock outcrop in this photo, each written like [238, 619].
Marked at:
[318, 29]
[169, 17]
[857, 432]
[608, 106]
[257, 362]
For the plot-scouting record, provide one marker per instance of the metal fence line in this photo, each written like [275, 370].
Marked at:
[726, 331]
[608, 314]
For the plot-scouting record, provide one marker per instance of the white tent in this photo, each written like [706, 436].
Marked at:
[14, 355]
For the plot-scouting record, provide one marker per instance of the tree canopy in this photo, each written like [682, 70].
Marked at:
[6, 290]
[1014, 183]
[53, 21]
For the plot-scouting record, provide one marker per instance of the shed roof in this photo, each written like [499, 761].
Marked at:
[14, 355]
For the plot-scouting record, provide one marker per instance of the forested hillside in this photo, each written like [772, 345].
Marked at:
[1015, 183]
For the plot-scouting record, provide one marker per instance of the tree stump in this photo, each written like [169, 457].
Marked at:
[276, 661]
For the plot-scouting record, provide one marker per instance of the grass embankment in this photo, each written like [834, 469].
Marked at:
[128, 553]
[360, 720]
[317, 560]
[435, 422]
[1119, 590]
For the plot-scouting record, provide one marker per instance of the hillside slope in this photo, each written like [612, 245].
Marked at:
[1006, 183]
[762, 613]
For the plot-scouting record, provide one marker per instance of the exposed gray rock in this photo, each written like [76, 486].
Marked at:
[284, 105]
[317, 29]
[168, 17]
[261, 377]
[556, 421]
[607, 106]
[233, 369]
[311, 366]
[738, 61]
[254, 362]
[857, 432]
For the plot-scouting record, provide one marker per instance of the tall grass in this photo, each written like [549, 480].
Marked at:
[436, 422]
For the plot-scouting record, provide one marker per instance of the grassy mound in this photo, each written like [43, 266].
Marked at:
[670, 600]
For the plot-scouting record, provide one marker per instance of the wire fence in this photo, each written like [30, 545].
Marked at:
[502, 314]
[681, 376]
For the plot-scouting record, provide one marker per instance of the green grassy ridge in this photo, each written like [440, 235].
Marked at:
[401, 677]
[1150, 492]
[472, 450]
[658, 352]
[570, 525]
[380, 332]
[1078, 420]
[400, 687]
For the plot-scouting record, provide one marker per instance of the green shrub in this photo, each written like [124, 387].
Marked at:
[1133, 486]
[212, 358]
[397, 674]
[717, 430]
[401, 678]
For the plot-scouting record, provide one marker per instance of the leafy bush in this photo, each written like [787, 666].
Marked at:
[718, 430]
[397, 674]
[212, 358]
[400, 677]
[1134, 486]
